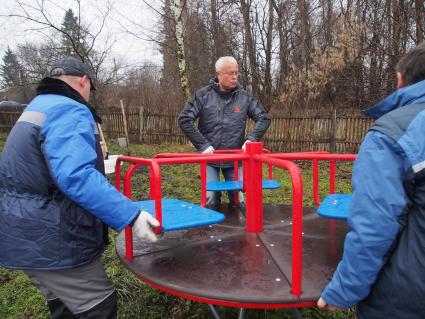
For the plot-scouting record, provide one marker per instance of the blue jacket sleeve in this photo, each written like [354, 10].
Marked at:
[378, 200]
[70, 151]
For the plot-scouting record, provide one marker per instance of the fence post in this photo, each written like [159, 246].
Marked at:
[141, 123]
[124, 117]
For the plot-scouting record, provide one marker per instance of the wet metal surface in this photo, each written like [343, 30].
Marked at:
[224, 262]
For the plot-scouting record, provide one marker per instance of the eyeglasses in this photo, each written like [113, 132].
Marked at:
[235, 73]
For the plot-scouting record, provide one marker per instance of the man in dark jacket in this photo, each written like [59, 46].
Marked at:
[222, 108]
[382, 270]
[55, 201]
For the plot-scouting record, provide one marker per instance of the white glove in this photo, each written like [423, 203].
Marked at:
[208, 150]
[143, 226]
[244, 145]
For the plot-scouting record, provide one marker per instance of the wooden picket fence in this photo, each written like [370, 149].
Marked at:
[339, 131]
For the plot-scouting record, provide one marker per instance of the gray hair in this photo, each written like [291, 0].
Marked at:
[224, 59]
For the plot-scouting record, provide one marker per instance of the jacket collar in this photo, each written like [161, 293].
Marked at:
[50, 85]
[412, 94]
[214, 85]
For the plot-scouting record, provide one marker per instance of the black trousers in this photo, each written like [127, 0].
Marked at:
[107, 309]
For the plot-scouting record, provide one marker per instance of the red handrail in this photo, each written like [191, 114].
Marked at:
[297, 215]
[315, 157]
[155, 193]
[252, 160]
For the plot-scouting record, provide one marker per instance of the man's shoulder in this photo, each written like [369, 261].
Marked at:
[205, 89]
[241, 91]
[52, 104]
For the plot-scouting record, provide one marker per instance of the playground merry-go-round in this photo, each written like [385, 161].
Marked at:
[246, 256]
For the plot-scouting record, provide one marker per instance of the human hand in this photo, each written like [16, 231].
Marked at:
[322, 304]
[244, 145]
[143, 226]
[208, 150]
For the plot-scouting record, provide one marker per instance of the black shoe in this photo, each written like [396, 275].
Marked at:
[107, 309]
[214, 206]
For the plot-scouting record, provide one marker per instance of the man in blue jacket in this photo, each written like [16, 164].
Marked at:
[382, 270]
[222, 107]
[55, 202]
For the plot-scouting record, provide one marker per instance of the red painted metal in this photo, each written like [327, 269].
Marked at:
[332, 175]
[316, 182]
[155, 193]
[322, 156]
[128, 230]
[225, 303]
[201, 158]
[252, 161]
[297, 215]
[203, 169]
[315, 157]
[236, 178]
[129, 243]
[236, 151]
[254, 189]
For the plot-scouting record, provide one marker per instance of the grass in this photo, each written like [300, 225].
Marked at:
[19, 299]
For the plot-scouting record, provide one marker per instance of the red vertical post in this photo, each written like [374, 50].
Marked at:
[332, 222]
[236, 178]
[156, 193]
[316, 182]
[151, 184]
[254, 189]
[203, 168]
[332, 176]
[128, 230]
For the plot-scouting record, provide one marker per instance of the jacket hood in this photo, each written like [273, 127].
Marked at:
[412, 94]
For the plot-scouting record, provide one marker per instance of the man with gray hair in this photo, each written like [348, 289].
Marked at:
[55, 202]
[222, 108]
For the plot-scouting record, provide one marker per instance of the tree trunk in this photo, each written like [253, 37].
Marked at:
[304, 44]
[267, 92]
[178, 10]
[395, 27]
[245, 6]
[215, 31]
[419, 7]
[283, 45]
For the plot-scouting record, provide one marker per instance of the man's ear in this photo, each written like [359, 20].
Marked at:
[400, 80]
[81, 81]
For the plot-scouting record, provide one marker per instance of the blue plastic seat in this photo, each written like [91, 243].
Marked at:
[335, 206]
[237, 185]
[178, 214]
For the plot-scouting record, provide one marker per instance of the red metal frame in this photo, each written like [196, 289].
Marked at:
[315, 157]
[297, 215]
[253, 159]
[229, 303]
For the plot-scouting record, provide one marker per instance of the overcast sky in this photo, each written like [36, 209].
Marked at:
[130, 49]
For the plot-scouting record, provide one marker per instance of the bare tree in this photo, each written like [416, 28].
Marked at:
[79, 39]
[250, 46]
[178, 11]
[419, 11]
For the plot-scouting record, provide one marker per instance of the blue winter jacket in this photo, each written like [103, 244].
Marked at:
[53, 200]
[383, 265]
